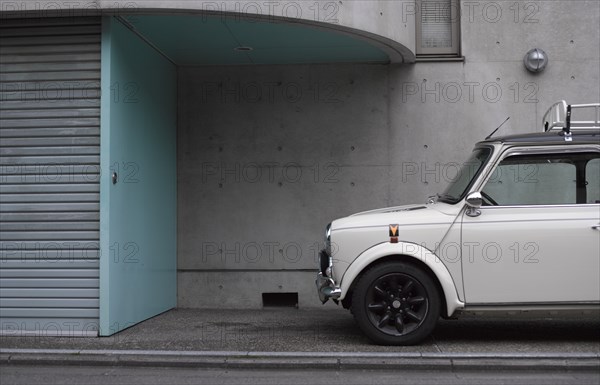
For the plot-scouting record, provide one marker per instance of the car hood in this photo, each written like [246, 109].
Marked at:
[419, 214]
[395, 209]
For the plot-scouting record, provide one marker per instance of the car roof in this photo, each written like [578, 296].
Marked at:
[553, 137]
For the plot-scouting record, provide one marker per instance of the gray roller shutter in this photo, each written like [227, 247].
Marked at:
[49, 174]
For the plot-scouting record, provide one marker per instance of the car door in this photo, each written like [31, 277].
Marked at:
[536, 239]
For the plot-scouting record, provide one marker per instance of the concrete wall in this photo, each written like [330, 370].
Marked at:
[449, 106]
[269, 155]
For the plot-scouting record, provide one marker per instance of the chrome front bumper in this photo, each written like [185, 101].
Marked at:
[326, 288]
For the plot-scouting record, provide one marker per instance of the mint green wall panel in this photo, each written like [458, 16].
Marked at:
[138, 226]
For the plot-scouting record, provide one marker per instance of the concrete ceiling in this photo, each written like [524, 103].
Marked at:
[212, 40]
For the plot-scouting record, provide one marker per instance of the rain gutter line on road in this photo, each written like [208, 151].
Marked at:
[557, 362]
[251, 354]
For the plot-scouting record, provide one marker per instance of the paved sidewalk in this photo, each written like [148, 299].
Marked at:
[326, 337]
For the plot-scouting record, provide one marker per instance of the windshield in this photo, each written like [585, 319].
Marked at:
[461, 183]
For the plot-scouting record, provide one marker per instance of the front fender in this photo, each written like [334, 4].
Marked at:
[409, 250]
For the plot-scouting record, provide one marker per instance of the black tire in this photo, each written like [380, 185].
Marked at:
[396, 303]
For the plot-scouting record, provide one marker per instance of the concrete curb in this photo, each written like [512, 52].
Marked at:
[303, 360]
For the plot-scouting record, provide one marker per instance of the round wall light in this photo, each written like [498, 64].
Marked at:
[535, 60]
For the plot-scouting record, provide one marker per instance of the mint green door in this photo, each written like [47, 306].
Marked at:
[138, 197]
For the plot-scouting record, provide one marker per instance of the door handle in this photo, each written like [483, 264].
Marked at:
[596, 227]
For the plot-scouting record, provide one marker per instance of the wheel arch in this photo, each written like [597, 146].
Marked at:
[409, 253]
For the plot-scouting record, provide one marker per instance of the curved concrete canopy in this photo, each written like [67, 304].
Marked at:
[215, 40]
[385, 25]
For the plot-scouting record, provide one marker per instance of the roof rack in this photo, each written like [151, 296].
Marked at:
[558, 116]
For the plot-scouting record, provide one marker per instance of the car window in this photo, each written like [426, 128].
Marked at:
[592, 173]
[543, 180]
[468, 172]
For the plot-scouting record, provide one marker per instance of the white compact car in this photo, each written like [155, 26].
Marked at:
[517, 230]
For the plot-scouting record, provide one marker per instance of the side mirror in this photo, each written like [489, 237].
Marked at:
[474, 201]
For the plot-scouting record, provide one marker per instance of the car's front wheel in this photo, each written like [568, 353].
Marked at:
[396, 303]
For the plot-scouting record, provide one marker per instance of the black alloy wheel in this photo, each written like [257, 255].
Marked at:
[396, 303]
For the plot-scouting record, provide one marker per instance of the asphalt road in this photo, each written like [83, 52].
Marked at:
[311, 332]
[148, 376]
